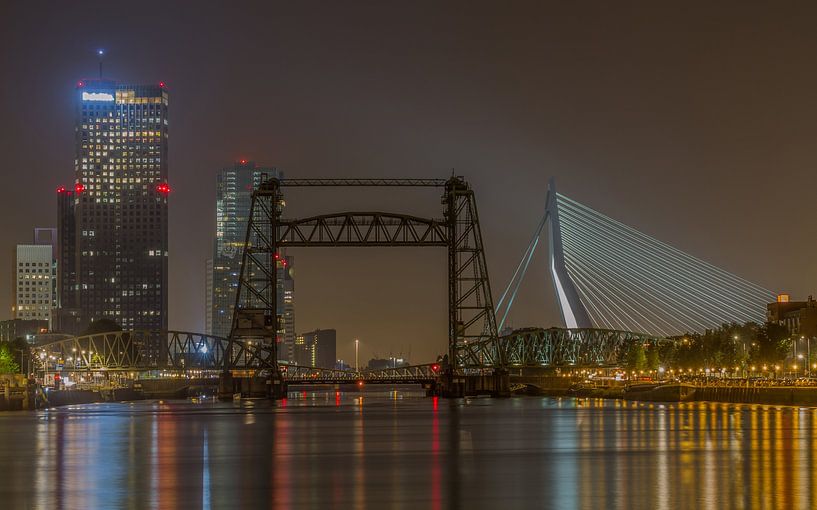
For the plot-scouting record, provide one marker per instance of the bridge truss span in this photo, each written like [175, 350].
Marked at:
[554, 347]
[415, 374]
[362, 229]
[181, 352]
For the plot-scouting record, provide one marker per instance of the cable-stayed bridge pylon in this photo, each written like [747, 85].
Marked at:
[611, 276]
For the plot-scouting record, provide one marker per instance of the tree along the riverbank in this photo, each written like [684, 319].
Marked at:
[729, 346]
[8, 357]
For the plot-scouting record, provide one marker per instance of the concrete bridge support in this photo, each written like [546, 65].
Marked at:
[495, 384]
[273, 387]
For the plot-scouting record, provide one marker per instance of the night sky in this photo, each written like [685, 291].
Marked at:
[693, 123]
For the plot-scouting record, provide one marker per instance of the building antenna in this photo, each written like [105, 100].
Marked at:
[101, 53]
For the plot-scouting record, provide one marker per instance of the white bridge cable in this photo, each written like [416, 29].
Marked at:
[633, 296]
[648, 297]
[658, 273]
[621, 278]
[653, 276]
[608, 258]
[590, 301]
[728, 279]
[516, 289]
[747, 297]
[698, 265]
[619, 298]
[624, 275]
[523, 266]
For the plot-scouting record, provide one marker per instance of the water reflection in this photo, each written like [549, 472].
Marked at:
[400, 450]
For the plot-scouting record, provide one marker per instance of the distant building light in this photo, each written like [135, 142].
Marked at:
[783, 298]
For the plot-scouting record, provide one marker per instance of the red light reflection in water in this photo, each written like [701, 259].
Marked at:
[282, 448]
[337, 399]
[436, 472]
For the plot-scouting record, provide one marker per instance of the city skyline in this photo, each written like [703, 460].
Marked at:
[669, 178]
[429, 254]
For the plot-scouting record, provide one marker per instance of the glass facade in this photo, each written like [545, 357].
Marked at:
[119, 200]
[234, 189]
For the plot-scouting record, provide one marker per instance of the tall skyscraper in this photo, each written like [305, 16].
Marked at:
[66, 316]
[208, 296]
[117, 207]
[234, 187]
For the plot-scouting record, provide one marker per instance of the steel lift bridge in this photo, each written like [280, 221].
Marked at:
[471, 318]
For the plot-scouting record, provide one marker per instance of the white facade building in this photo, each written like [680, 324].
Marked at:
[34, 282]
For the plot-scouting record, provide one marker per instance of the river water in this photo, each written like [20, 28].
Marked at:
[397, 449]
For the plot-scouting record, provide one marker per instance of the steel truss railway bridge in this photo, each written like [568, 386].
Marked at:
[179, 352]
[615, 286]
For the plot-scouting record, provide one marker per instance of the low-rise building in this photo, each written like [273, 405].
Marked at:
[383, 363]
[22, 328]
[800, 317]
[316, 348]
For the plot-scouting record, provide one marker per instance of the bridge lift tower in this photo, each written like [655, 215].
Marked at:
[471, 316]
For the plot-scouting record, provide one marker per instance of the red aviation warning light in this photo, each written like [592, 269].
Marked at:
[79, 187]
[243, 161]
[435, 368]
[162, 84]
[80, 84]
[163, 188]
[61, 190]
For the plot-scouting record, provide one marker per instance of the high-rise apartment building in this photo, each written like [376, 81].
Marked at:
[234, 188]
[33, 289]
[208, 296]
[67, 317]
[114, 264]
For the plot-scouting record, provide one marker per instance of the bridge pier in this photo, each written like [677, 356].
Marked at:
[497, 384]
[276, 387]
[226, 386]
